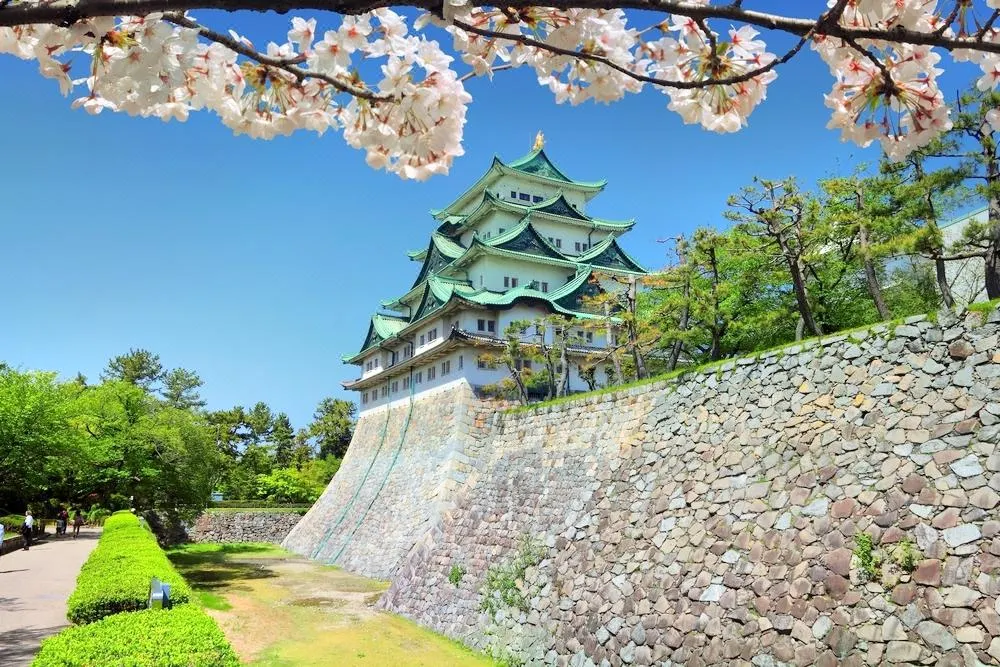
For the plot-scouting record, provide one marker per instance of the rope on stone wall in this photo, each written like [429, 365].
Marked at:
[347, 506]
[392, 464]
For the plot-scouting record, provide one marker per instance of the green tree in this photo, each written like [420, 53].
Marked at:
[136, 446]
[37, 444]
[778, 213]
[332, 426]
[180, 389]
[139, 367]
[260, 422]
[283, 440]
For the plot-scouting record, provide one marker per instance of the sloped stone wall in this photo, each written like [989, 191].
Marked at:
[716, 520]
[249, 526]
[402, 471]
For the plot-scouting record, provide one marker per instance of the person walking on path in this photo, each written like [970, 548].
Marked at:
[77, 522]
[1, 538]
[61, 519]
[26, 527]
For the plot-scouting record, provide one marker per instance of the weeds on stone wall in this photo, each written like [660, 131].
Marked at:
[905, 556]
[455, 574]
[869, 562]
[504, 585]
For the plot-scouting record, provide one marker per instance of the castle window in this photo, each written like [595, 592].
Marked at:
[421, 339]
[459, 362]
[559, 243]
[577, 246]
[524, 196]
[513, 194]
[395, 387]
[420, 377]
[445, 367]
[545, 287]
[385, 390]
[431, 373]
[506, 281]
[502, 230]
[491, 326]
[432, 334]
[481, 325]
[364, 397]
[590, 336]
[536, 199]
[483, 363]
[406, 383]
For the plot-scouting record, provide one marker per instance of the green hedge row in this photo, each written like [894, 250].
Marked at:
[116, 576]
[184, 636]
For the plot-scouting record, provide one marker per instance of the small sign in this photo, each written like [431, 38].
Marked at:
[216, 496]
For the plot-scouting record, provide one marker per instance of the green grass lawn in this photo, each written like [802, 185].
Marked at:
[281, 610]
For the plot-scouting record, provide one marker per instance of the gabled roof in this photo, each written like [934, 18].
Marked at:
[382, 327]
[535, 166]
[444, 245]
[609, 254]
[440, 252]
[555, 207]
[538, 163]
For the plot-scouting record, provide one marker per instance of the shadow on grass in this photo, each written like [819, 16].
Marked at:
[216, 566]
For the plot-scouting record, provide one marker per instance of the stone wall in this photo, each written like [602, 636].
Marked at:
[403, 469]
[716, 520]
[243, 526]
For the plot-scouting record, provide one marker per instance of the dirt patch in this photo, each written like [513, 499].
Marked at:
[286, 611]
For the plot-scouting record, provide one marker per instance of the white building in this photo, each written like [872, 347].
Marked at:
[517, 245]
[965, 276]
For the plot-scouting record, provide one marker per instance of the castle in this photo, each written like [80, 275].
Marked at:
[518, 245]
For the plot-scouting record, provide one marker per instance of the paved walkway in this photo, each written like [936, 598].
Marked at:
[34, 585]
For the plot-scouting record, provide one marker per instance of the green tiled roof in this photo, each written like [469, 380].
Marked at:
[538, 163]
[534, 165]
[440, 253]
[382, 327]
[439, 293]
[556, 206]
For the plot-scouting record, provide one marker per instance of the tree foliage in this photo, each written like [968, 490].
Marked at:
[141, 438]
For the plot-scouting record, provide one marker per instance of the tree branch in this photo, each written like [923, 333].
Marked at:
[667, 83]
[65, 12]
[287, 64]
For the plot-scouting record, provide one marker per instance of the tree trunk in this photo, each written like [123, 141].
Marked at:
[612, 344]
[522, 391]
[718, 328]
[633, 333]
[563, 387]
[682, 325]
[802, 297]
[871, 276]
[942, 281]
[993, 252]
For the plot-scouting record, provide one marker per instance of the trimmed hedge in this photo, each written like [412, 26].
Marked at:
[116, 576]
[181, 637]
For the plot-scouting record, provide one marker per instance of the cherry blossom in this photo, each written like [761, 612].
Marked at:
[400, 97]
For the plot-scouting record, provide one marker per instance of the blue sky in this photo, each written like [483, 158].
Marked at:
[258, 263]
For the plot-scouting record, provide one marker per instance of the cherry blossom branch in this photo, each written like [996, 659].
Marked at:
[290, 65]
[989, 24]
[593, 57]
[65, 12]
